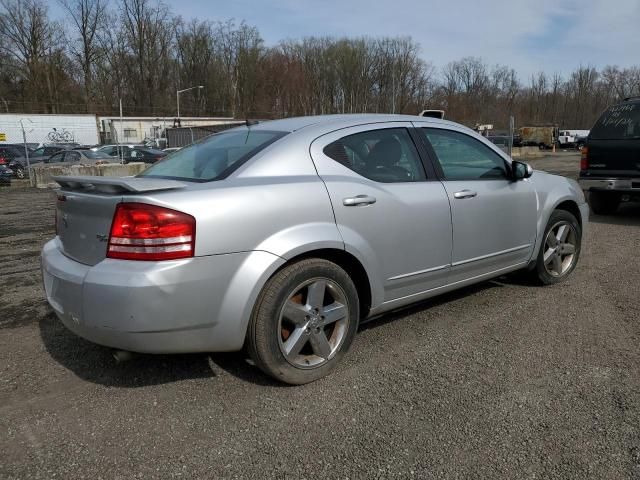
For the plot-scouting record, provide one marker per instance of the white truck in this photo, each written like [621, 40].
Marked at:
[571, 138]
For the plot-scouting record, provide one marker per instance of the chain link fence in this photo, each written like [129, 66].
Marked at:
[27, 140]
[183, 136]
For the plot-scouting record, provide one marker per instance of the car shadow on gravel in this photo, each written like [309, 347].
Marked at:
[627, 214]
[95, 363]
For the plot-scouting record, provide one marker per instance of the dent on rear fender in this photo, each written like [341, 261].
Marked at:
[298, 239]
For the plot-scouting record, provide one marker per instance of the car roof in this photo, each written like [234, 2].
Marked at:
[340, 121]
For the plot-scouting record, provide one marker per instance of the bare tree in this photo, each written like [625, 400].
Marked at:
[88, 17]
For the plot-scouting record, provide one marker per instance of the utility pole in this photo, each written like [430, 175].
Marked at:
[178, 92]
[26, 150]
[120, 152]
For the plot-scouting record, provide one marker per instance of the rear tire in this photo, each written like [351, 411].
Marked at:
[604, 203]
[560, 249]
[304, 321]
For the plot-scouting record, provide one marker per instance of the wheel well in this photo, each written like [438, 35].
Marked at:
[349, 264]
[571, 207]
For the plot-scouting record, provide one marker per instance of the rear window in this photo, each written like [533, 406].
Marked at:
[213, 158]
[618, 122]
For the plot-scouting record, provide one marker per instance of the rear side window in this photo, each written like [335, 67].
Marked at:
[385, 155]
[58, 157]
[618, 123]
[72, 157]
[213, 158]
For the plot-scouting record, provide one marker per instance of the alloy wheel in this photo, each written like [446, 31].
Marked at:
[313, 323]
[560, 249]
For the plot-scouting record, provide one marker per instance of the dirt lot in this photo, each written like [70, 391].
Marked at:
[499, 380]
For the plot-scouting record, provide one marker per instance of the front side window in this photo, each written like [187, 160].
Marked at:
[214, 157]
[462, 157]
[384, 155]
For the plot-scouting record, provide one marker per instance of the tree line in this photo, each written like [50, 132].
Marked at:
[141, 52]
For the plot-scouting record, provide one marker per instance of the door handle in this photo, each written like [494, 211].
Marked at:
[465, 194]
[358, 200]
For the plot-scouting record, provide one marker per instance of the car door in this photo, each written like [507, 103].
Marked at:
[493, 217]
[391, 214]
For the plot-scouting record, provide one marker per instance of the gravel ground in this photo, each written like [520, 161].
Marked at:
[501, 380]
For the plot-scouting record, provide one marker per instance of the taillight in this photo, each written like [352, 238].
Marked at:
[3, 161]
[584, 159]
[148, 232]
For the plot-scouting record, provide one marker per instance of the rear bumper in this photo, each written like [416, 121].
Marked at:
[200, 304]
[631, 185]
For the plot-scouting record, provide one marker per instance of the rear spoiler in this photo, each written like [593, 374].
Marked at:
[116, 184]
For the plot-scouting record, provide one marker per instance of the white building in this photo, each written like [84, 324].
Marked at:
[52, 128]
[139, 129]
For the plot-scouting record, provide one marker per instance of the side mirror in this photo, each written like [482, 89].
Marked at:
[520, 170]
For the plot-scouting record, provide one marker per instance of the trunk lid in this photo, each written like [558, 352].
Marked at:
[85, 209]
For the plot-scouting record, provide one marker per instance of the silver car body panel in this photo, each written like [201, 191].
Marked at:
[386, 235]
[285, 202]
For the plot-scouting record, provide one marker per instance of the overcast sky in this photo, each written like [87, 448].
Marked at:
[528, 35]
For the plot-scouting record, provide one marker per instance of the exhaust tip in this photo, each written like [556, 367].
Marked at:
[121, 356]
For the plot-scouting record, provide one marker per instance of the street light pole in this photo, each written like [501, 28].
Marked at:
[178, 92]
[26, 150]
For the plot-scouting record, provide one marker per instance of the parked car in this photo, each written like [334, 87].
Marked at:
[581, 141]
[19, 162]
[610, 164]
[9, 152]
[86, 157]
[114, 150]
[143, 154]
[13, 156]
[283, 236]
[501, 141]
[5, 175]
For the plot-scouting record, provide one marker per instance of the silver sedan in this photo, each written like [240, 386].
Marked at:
[285, 235]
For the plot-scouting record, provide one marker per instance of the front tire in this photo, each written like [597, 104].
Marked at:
[20, 173]
[304, 321]
[560, 249]
[604, 203]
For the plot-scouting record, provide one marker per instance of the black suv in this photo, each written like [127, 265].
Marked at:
[610, 164]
